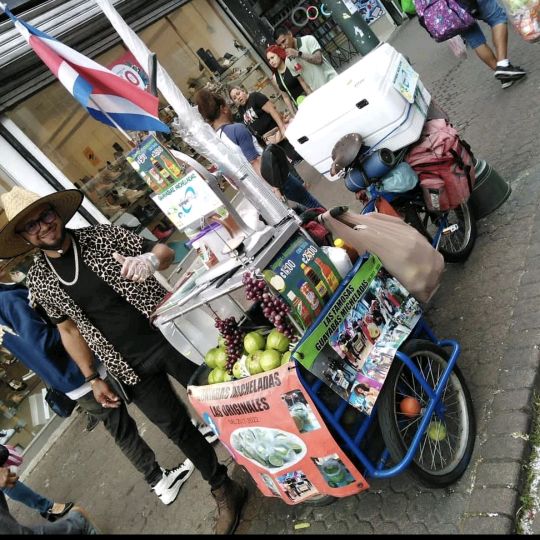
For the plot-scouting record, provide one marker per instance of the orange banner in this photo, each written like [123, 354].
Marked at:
[270, 425]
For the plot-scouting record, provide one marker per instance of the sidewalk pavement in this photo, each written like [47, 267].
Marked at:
[488, 304]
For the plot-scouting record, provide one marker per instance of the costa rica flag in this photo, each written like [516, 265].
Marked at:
[106, 96]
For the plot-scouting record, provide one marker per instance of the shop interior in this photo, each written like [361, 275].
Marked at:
[198, 46]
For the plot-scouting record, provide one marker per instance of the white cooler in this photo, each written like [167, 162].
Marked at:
[380, 97]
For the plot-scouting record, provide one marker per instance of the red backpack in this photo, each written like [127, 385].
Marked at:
[444, 165]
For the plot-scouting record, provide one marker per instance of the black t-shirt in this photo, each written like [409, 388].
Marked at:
[253, 115]
[122, 325]
[287, 81]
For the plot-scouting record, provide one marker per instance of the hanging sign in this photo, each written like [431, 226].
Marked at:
[155, 164]
[270, 426]
[188, 200]
[352, 348]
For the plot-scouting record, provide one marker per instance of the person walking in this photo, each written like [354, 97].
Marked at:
[97, 285]
[217, 113]
[291, 84]
[37, 344]
[490, 12]
[74, 521]
[263, 119]
[305, 57]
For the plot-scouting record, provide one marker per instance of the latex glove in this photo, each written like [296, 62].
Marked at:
[138, 268]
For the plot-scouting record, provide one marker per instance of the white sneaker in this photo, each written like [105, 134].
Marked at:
[5, 435]
[206, 431]
[168, 487]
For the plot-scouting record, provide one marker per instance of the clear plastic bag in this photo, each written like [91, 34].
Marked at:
[458, 47]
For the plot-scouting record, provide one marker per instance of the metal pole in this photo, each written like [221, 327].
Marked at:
[350, 20]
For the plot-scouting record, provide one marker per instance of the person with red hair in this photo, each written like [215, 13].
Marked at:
[291, 86]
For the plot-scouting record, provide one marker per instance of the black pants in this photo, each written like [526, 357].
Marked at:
[156, 398]
[292, 154]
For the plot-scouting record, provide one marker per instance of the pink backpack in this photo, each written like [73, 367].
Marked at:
[444, 165]
[443, 19]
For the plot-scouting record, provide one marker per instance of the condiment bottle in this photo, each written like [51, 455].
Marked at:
[351, 252]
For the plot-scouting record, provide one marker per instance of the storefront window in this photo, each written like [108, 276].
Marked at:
[197, 45]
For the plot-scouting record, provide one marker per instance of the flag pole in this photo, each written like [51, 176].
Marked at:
[113, 122]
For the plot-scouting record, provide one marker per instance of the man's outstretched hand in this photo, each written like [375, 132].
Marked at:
[138, 268]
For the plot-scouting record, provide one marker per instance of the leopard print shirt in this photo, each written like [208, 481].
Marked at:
[97, 244]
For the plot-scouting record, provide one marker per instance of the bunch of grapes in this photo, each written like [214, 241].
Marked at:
[234, 339]
[274, 308]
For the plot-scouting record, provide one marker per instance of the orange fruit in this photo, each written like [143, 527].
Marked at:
[410, 406]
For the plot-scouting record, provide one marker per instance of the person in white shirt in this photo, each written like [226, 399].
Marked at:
[305, 57]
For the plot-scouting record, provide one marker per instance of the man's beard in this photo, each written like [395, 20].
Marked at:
[56, 246]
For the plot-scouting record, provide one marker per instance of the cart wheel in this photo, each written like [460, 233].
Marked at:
[444, 450]
[320, 500]
[454, 246]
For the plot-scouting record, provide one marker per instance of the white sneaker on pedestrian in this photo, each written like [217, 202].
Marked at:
[172, 480]
[206, 431]
[5, 435]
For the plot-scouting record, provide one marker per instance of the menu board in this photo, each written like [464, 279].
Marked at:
[304, 277]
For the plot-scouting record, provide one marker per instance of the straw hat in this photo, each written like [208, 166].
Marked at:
[19, 202]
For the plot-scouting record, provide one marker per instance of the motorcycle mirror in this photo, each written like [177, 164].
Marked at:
[345, 152]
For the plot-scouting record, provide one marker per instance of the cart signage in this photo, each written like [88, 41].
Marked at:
[352, 348]
[270, 425]
[188, 200]
[305, 278]
[155, 164]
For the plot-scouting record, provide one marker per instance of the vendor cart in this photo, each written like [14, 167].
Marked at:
[368, 390]
[434, 436]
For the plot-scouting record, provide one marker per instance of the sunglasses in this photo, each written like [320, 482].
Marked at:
[46, 217]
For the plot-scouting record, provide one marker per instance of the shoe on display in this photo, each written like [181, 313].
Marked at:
[16, 384]
[91, 422]
[162, 235]
[6, 434]
[57, 511]
[206, 431]
[172, 480]
[509, 72]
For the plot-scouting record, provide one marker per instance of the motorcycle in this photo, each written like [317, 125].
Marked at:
[452, 232]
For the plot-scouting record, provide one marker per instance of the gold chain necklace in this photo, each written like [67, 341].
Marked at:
[76, 254]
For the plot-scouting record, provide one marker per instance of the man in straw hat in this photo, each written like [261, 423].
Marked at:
[97, 285]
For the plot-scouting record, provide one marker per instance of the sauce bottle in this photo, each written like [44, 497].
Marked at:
[328, 274]
[310, 295]
[303, 314]
[351, 252]
[321, 289]
[173, 167]
[163, 172]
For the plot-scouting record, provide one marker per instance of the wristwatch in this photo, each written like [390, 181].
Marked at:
[94, 375]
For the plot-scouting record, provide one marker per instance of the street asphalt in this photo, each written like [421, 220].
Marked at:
[489, 304]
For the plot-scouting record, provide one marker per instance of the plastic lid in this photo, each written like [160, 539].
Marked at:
[210, 228]
[338, 242]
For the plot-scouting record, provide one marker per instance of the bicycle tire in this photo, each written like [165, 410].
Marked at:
[450, 456]
[454, 252]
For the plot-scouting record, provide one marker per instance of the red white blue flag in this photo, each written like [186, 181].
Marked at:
[106, 96]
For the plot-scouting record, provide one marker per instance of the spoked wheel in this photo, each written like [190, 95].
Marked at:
[459, 236]
[446, 447]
